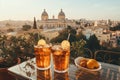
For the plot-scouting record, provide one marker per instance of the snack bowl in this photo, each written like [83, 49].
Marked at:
[77, 63]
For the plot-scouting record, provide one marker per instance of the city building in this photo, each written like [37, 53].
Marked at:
[60, 22]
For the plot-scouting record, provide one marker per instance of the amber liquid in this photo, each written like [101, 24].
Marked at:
[61, 76]
[43, 56]
[61, 59]
[44, 74]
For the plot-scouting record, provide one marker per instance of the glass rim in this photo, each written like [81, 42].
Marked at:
[43, 46]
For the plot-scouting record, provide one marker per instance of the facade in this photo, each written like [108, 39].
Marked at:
[60, 22]
[103, 37]
[115, 39]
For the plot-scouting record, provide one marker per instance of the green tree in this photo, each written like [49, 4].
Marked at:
[80, 36]
[34, 24]
[93, 43]
[72, 35]
[26, 27]
[12, 47]
[77, 48]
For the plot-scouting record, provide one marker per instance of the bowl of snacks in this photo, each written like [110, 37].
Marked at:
[87, 64]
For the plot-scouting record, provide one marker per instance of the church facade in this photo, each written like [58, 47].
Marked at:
[60, 22]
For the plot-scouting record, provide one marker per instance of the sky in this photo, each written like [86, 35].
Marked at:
[73, 9]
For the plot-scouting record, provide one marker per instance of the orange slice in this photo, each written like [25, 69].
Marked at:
[42, 42]
[65, 44]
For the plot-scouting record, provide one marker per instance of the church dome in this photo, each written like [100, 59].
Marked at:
[44, 15]
[61, 15]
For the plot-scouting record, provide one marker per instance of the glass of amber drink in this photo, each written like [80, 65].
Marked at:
[43, 55]
[61, 54]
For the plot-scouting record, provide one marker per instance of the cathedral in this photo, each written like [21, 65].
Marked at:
[60, 22]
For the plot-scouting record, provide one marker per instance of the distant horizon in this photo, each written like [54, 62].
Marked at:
[55, 18]
[22, 10]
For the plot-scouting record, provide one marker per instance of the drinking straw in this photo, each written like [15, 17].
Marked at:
[68, 36]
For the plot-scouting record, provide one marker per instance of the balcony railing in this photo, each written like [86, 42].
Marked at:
[107, 56]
